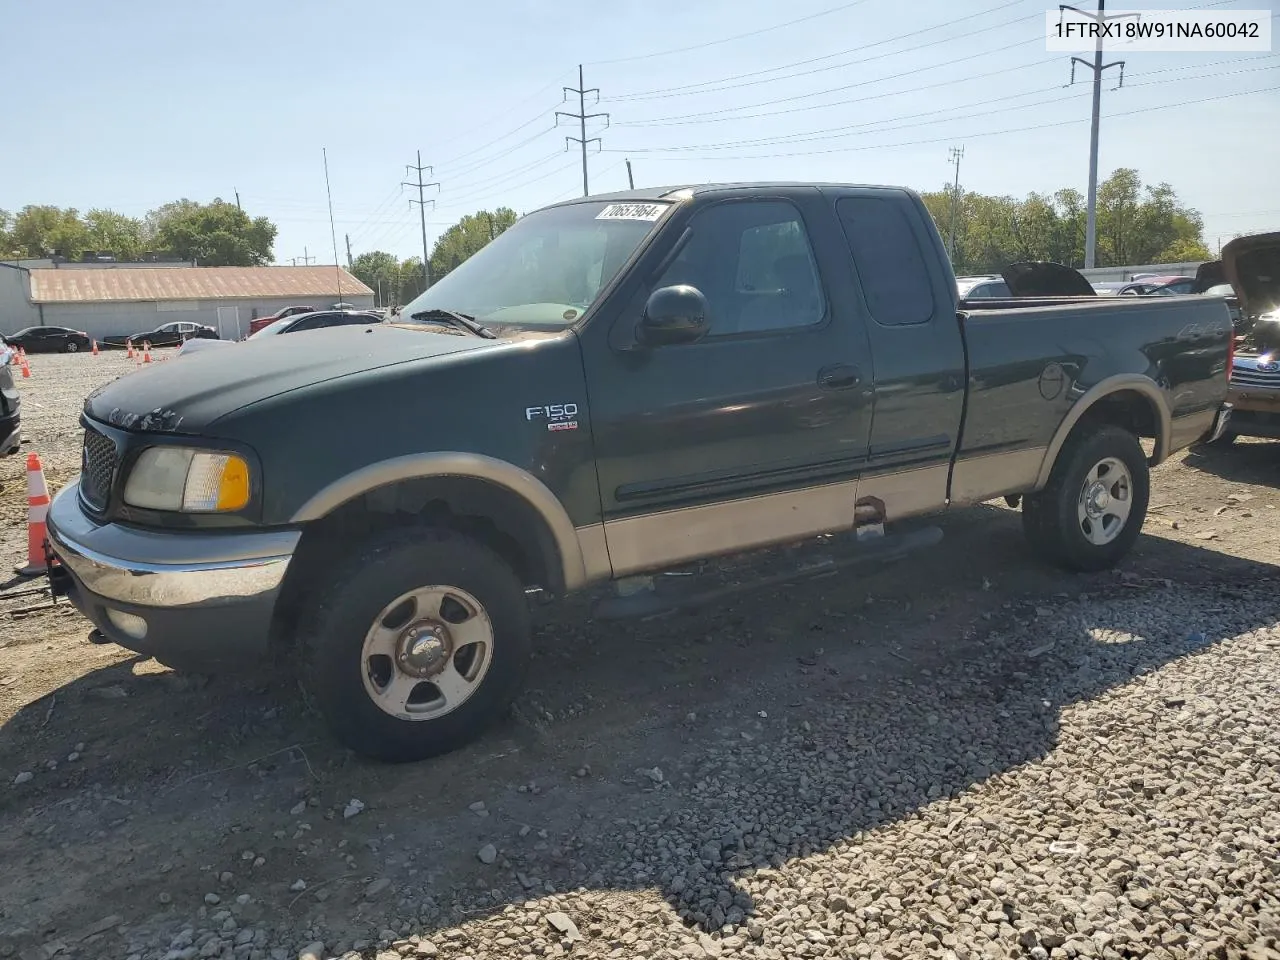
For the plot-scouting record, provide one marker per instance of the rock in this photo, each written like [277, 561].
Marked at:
[352, 808]
[312, 951]
[426, 948]
[298, 885]
[212, 899]
[487, 854]
[479, 809]
[564, 926]
[376, 888]
[26, 776]
[298, 808]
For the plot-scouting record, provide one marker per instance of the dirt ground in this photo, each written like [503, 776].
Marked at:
[154, 796]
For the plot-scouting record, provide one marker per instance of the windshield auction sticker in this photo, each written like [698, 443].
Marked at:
[631, 211]
[1068, 30]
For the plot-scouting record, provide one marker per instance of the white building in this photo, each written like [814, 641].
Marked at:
[106, 301]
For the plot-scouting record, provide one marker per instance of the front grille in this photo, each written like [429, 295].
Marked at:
[98, 468]
[1245, 377]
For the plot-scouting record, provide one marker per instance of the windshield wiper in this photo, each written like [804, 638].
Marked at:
[470, 324]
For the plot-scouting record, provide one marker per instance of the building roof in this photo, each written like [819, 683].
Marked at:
[195, 283]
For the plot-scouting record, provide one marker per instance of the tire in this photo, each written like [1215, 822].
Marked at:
[350, 643]
[72, 347]
[1052, 519]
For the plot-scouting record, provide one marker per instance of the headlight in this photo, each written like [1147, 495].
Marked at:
[191, 481]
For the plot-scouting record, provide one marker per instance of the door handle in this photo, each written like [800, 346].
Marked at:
[839, 376]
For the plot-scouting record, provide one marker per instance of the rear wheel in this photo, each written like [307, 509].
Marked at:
[419, 646]
[1092, 509]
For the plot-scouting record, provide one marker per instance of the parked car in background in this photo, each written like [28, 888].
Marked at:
[49, 340]
[988, 287]
[1157, 287]
[298, 323]
[260, 322]
[1252, 267]
[166, 335]
[302, 322]
[10, 405]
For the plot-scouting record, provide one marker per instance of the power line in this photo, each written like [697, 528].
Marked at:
[693, 88]
[723, 40]
[835, 133]
[422, 211]
[970, 136]
[582, 117]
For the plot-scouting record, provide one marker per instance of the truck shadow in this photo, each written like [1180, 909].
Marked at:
[1241, 462]
[881, 696]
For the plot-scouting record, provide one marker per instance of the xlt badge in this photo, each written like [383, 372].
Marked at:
[558, 416]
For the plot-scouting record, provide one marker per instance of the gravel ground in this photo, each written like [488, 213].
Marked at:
[965, 755]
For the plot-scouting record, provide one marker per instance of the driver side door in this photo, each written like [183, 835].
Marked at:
[718, 445]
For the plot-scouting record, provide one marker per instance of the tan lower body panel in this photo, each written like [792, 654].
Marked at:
[984, 478]
[658, 540]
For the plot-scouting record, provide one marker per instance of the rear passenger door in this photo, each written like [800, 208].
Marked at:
[909, 303]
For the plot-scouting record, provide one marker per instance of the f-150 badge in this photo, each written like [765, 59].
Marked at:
[557, 416]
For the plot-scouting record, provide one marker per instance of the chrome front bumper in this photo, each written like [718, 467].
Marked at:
[196, 600]
[171, 568]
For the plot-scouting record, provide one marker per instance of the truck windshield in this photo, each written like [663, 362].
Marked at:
[544, 271]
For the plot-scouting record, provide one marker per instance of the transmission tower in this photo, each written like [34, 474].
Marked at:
[582, 117]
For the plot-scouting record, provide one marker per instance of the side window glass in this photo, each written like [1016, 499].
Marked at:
[888, 260]
[999, 291]
[754, 264]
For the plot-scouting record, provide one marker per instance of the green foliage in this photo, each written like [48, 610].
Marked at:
[218, 234]
[42, 231]
[467, 236]
[215, 234]
[113, 232]
[1136, 225]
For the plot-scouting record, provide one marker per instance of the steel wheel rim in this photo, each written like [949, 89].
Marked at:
[427, 653]
[1105, 502]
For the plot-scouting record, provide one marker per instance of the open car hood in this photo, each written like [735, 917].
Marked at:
[1209, 275]
[1252, 267]
[1043, 278]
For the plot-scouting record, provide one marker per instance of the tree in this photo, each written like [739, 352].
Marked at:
[467, 236]
[7, 246]
[377, 269]
[114, 233]
[43, 231]
[218, 234]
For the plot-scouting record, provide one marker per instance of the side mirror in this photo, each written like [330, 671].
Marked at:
[673, 315]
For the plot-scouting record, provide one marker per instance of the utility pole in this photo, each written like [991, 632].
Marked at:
[422, 210]
[238, 207]
[350, 263]
[582, 117]
[1097, 67]
[954, 155]
[306, 260]
[631, 181]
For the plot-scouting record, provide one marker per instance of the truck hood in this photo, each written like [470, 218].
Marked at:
[187, 396]
[1044, 278]
[1252, 267]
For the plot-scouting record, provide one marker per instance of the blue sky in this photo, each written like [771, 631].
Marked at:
[146, 102]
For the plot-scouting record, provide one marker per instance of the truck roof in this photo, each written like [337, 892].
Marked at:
[667, 192]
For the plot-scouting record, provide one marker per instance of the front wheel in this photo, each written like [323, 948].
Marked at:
[419, 645]
[1092, 509]
[72, 347]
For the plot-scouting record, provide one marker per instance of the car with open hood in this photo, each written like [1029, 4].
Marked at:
[1251, 265]
[614, 387]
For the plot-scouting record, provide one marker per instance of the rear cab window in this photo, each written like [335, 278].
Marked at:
[888, 259]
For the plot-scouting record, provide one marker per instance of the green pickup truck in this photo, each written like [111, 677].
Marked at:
[615, 387]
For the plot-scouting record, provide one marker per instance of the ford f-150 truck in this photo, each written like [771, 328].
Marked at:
[614, 387]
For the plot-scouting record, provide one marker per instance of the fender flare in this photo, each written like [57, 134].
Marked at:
[1122, 382]
[425, 466]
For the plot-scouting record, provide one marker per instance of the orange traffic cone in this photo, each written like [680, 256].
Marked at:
[26, 368]
[129, 344]
[146, 353]
[37, 511]
[95, 348]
